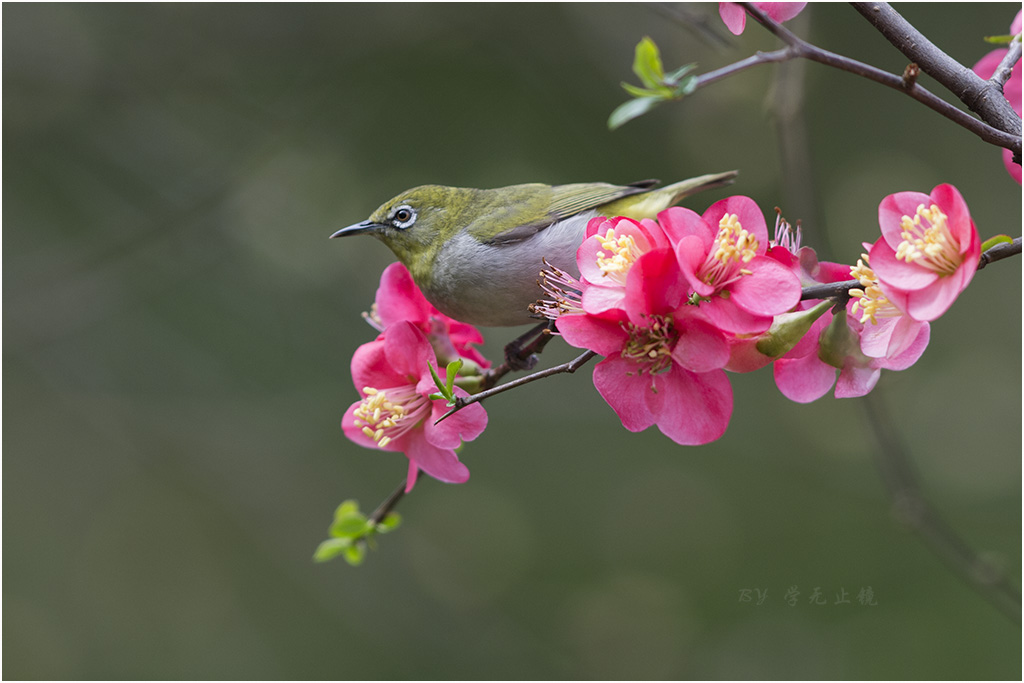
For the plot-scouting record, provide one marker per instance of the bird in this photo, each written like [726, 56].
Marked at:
[476, 254]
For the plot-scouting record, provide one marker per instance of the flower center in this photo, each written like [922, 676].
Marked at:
[870, 300]
[387, 414]
[651, 346]
[733, 247]
[619, 255]
[928, 242]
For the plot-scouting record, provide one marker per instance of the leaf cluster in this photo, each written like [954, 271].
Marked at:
[352, 532]
[657, 87]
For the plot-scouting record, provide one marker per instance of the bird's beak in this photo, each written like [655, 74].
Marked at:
[357, 229]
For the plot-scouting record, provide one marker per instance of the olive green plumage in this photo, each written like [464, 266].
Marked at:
[476, 254]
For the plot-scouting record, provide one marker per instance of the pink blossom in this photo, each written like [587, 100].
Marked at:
[396, 413]
[735, 17]
[722, 256]
[809, 370]
[398, 298]
[928, 252]
[985, 67]
[611, 247]
[662, 363]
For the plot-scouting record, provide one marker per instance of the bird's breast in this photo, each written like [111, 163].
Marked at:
[493, 285]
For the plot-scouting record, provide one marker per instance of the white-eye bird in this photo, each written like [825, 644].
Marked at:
[477, 254]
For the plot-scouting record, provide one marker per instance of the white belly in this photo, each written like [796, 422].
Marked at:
[492, 286]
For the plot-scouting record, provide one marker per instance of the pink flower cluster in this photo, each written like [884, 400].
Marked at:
[392, 374]
[673, 303]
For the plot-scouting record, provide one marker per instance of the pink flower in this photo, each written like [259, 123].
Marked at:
[662, 364]
[399, 299]
[396, 413]
[809, 370]
[611, 247]
[722, 256]
[735, 17]
[928, 251]
[985, 67]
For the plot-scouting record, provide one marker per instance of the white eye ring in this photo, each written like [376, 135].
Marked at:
[402, 216]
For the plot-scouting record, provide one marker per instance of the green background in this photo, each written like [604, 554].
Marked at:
[178, 332]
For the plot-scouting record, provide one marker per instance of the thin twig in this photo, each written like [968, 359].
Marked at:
[911, 507]
[570, 367]
[1005, 68]
[388, 504]
[797, 47]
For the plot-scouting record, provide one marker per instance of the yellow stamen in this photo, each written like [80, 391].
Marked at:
[870, 300]
[928, 242]
[385, 414]
[622, 254]
[734, 246]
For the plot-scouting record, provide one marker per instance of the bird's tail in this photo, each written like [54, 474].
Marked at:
[649, 204]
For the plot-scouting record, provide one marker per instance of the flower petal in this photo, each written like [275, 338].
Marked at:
[770, 289]
[701, 346]
[747, 212]
[891, 211]
[678, 223]
[691, 408]
[654, 286]
[856, 381]
[440, 463]
[728, 317]
[625, 390]
[464, 425]
[602, 335]
[398, 298]
[896, 274]
[804, 379]
[691, 252]
[734, 16]
[407, 350]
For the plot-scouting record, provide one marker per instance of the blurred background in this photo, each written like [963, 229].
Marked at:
[178, 331]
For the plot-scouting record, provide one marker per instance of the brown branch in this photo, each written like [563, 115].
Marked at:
[797, 47]
[978, 94]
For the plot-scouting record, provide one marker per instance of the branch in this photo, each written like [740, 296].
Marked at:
[389, 503]
[1005, 68]
[910, 507]
[570, 367]
[980, 96]
[801, 48]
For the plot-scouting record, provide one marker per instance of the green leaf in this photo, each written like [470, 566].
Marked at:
[331, 548]
[355, 554]
[349, 527]
[647, 63]
[437, 381]
[453, 371]
[347, 509]
[993, 241]
[389, 523]
[641, 92]
[1000, 40]
[627, 111]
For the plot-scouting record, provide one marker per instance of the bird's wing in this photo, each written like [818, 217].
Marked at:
[565, 201]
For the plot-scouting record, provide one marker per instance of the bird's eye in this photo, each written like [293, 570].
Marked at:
[403, 216]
